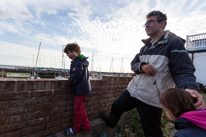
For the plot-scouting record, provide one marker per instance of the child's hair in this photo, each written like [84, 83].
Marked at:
[177, 101]
[72, 46]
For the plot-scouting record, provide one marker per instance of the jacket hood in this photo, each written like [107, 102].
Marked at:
[84, 60]
[196, 117]
[167, 35]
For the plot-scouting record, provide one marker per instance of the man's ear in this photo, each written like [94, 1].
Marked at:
[162, 23]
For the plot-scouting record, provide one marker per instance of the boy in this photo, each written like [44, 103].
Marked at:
[79, 79]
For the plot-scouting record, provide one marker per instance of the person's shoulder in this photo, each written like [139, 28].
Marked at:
[191, 132]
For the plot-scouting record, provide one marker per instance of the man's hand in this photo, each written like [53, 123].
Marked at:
[200, 103]
[148, 69]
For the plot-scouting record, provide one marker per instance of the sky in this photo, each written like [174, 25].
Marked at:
[109, 32]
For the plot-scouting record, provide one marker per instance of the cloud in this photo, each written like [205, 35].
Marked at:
[107, 28]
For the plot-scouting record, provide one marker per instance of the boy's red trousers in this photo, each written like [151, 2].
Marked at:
[80, 117]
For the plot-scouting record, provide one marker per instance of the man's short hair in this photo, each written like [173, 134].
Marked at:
[160, 16]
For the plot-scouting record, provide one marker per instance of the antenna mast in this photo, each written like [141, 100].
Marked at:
[111, 65]
[37, 56]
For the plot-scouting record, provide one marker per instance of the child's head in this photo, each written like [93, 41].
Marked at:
[176, 101]
[72, 50]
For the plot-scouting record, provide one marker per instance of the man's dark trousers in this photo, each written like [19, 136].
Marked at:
[150, 116]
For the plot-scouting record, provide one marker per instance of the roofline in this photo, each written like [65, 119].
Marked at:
[196, 51]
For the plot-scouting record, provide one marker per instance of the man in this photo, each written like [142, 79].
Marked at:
[161, 63]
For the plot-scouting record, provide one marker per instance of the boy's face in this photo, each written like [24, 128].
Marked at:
[72, 54]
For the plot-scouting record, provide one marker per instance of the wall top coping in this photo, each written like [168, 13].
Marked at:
[103, 78]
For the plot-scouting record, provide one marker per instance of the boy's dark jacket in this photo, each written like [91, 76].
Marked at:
[79, 76]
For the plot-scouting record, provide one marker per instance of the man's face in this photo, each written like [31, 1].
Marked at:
[152, 26]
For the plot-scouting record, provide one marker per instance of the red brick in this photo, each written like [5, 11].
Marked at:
[93, 112]
[70, 96]
[15, 119]
[36, 101]
[59, 84]
[103, 101]
[38, 121]
[14, 134]
[102, 109]
[55, 123]
[36, 114]
[109, 104]
[65, 84]
[109, 95]
[66, 125]
[29, 130]
[92, 103]
[96, 93]
[2, 84]
[59, 92]
[56, 116]
[53, 84]
[3, 121]
[54, 129]
[96, 107]
[40, 107]
[40, 133]
[69, 108]
[59, 104]
[12, 127]
[3, 104]
[15, 95]
[13, 111]
[112, 99]
[93, 117]
[46, 85]
[20, 85]
[40, 93]
[57, 98]
[39, 84]
[29, 85]
[104, 96]
[10, 85]
[67, 114]
[56, 110]
[69, 119]
[15, 103]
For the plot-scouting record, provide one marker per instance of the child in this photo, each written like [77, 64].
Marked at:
[180, 109]
[79, 79]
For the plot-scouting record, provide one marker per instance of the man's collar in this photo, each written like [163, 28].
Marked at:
[164, 37]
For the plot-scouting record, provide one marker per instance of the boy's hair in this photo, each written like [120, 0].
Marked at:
[160, 16]
[72, 46]
[177, 101]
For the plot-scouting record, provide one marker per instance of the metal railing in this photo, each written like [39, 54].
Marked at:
[196, 42]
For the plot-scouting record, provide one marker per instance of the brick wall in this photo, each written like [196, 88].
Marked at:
[38, 108]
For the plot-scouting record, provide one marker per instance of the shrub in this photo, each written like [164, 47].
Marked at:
[201, 87]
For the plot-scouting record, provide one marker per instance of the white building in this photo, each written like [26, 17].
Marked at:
[196, 47]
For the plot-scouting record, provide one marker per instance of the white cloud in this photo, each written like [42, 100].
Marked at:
[107, 28]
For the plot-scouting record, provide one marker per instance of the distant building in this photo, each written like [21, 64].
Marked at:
[196, 47]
